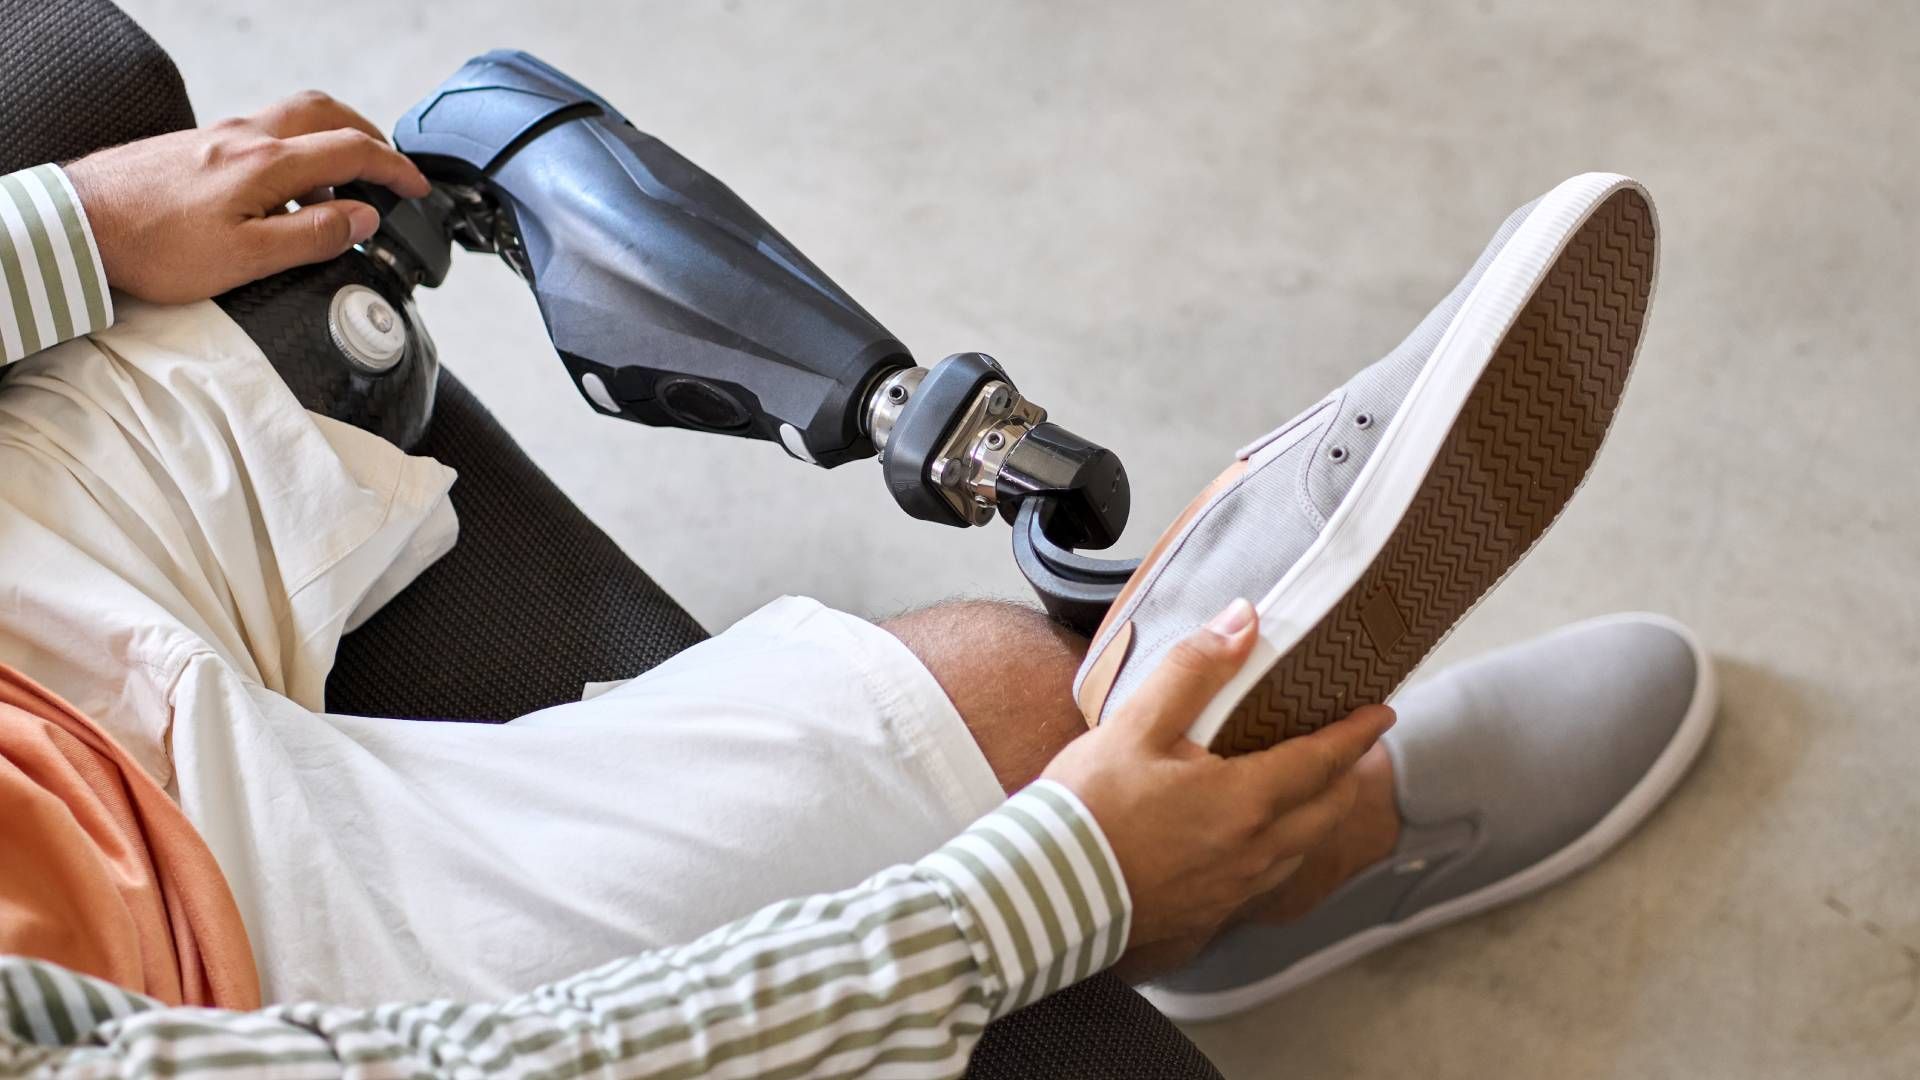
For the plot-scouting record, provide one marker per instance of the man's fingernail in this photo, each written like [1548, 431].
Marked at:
[1233, 619]
[365, 220]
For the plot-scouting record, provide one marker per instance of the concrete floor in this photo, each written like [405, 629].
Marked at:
[1177, 226]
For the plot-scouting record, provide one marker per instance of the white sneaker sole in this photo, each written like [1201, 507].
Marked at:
[1640, 802]
[1497, 433]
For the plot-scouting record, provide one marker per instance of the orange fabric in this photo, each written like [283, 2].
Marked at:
[100, 872]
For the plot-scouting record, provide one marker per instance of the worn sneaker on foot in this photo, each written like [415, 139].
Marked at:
[1366, 527]
[1511, 772]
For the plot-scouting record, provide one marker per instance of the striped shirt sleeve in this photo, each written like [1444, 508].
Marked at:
[52, 285]
[897, 976]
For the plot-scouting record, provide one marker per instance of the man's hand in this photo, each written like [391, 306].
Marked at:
[189, 215]
[1197, 835]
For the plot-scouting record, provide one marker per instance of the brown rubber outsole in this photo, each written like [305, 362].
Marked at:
[1521, 445]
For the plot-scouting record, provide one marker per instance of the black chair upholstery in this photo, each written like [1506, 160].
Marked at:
[534, 600]
[77, 77]
[1095, 1030]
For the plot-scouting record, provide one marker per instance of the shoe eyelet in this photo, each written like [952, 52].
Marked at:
[1338, 453]
[1363, 421]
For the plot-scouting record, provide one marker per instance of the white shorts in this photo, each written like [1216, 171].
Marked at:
[184, 546]
[800, 751]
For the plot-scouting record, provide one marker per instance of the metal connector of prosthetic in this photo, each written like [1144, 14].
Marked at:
[967, 464]
[960, 445]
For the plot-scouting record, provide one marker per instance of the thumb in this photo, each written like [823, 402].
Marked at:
[1189, 676]
[310, 234]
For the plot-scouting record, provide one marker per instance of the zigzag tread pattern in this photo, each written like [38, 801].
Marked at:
[1521, 446]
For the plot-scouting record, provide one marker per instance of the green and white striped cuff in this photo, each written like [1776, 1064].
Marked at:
[52, 285]
[1037, 893]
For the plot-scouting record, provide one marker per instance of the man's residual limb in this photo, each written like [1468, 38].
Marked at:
[673, 304]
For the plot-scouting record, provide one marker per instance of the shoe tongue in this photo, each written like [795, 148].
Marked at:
[1292, 431]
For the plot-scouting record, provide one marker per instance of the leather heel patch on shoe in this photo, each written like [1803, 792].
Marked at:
[1106, 668]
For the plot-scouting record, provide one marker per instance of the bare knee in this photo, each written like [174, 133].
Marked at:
[1008, 669]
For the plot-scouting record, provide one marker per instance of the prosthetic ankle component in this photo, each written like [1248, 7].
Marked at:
[672, 303]
[964, 427]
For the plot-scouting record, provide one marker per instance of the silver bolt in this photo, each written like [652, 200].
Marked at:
[380, 315]
[896, 393]
[995, 440]
[946, 472]
[999, 401]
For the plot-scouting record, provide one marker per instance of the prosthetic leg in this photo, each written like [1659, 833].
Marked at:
[672, 303]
